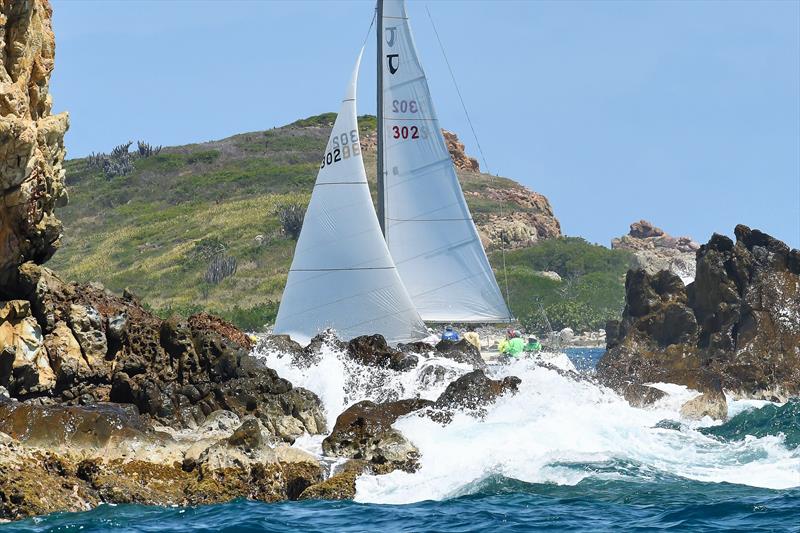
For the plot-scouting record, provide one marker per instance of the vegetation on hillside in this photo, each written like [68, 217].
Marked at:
[205, 226]
[591, 290]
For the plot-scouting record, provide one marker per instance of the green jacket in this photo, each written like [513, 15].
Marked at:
[512, 347]
[533, 346]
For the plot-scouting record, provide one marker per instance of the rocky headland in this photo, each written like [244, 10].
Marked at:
[655, 250]
[736, 328]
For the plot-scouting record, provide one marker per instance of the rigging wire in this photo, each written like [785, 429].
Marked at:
[480, 151]
[371, 24]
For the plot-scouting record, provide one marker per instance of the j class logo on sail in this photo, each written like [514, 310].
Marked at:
[393, 60]
[343, 146]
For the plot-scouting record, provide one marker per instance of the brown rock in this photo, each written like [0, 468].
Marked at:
[737, 327]
[364, 431]
[24, 367]
[31, 139]
[458, 153]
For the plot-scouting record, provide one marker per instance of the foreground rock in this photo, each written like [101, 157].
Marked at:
[79, 344]
[73, 458]
[31, 138]
[655, 250]
[737, 327]
[364, 431]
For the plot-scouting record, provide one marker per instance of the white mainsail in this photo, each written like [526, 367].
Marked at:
[342, 275]
[428, 227]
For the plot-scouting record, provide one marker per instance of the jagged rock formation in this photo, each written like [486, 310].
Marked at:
[654, 250]
[736, 327]
[31, 139]
[70, 343]
[58, 458]
[527, 218]
[459, 154]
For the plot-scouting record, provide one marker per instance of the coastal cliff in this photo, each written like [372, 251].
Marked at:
[31, 138]
[735, 328]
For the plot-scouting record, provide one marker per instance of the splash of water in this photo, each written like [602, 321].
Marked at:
[557, 429]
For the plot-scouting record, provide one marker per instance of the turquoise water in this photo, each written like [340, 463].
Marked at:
[560, 456]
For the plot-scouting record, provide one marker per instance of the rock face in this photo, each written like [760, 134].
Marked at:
[528, 220]
[80, 344]
[64, 458]
[459, 154]
[737, 327]
[654, 250]
[31, 139]
[364, 431]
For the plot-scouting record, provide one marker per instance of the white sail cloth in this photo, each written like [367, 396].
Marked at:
[429, 230]
[342, 275]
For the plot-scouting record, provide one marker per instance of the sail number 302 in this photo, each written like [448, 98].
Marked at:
[404, 132]
[342, 147]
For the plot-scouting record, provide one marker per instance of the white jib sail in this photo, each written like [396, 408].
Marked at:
[342, 275]
[429, 229]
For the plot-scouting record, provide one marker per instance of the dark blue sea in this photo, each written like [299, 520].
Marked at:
[609, 468]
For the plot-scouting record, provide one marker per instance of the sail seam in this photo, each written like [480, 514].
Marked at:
[410, 119]
[342, 183]
[337, 269]
[429, 219]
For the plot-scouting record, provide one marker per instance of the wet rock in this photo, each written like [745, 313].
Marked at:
[364, 431]
[372, 350]
[461, 351]
[736, 327]
[339, 486]
[712, 404]
[474, 391]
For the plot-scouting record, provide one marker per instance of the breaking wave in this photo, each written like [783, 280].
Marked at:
[561, 429]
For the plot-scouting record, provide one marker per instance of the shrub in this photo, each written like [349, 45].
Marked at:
[207, 249]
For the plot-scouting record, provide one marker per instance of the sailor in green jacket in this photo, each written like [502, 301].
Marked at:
[533, 345]
[513, 345]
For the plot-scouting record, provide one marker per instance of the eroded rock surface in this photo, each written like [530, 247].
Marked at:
[31, 138]
[80, 344]
[736, 327]
[69, 458]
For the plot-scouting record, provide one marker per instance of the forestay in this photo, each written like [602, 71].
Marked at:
[429, 230]
[342, 275]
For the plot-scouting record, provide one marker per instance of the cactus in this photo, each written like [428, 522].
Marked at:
[146, 149]
[291, 218]
[219, 268]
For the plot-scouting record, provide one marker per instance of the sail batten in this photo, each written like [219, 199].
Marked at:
[342, 275]
[428, 227]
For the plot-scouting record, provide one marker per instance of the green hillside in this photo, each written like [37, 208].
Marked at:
[172, 228]
[157, 229]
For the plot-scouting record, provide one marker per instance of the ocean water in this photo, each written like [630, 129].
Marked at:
[562, 454]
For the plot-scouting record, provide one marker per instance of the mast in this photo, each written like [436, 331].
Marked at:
[380, 173]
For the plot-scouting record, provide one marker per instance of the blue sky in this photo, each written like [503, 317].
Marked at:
[683, 113]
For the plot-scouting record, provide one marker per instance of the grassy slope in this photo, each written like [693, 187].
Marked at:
[140, 230]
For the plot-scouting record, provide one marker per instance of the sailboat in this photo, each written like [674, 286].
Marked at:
[419, 258]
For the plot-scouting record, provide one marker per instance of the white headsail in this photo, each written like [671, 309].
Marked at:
[342, 275]
[428, 227]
